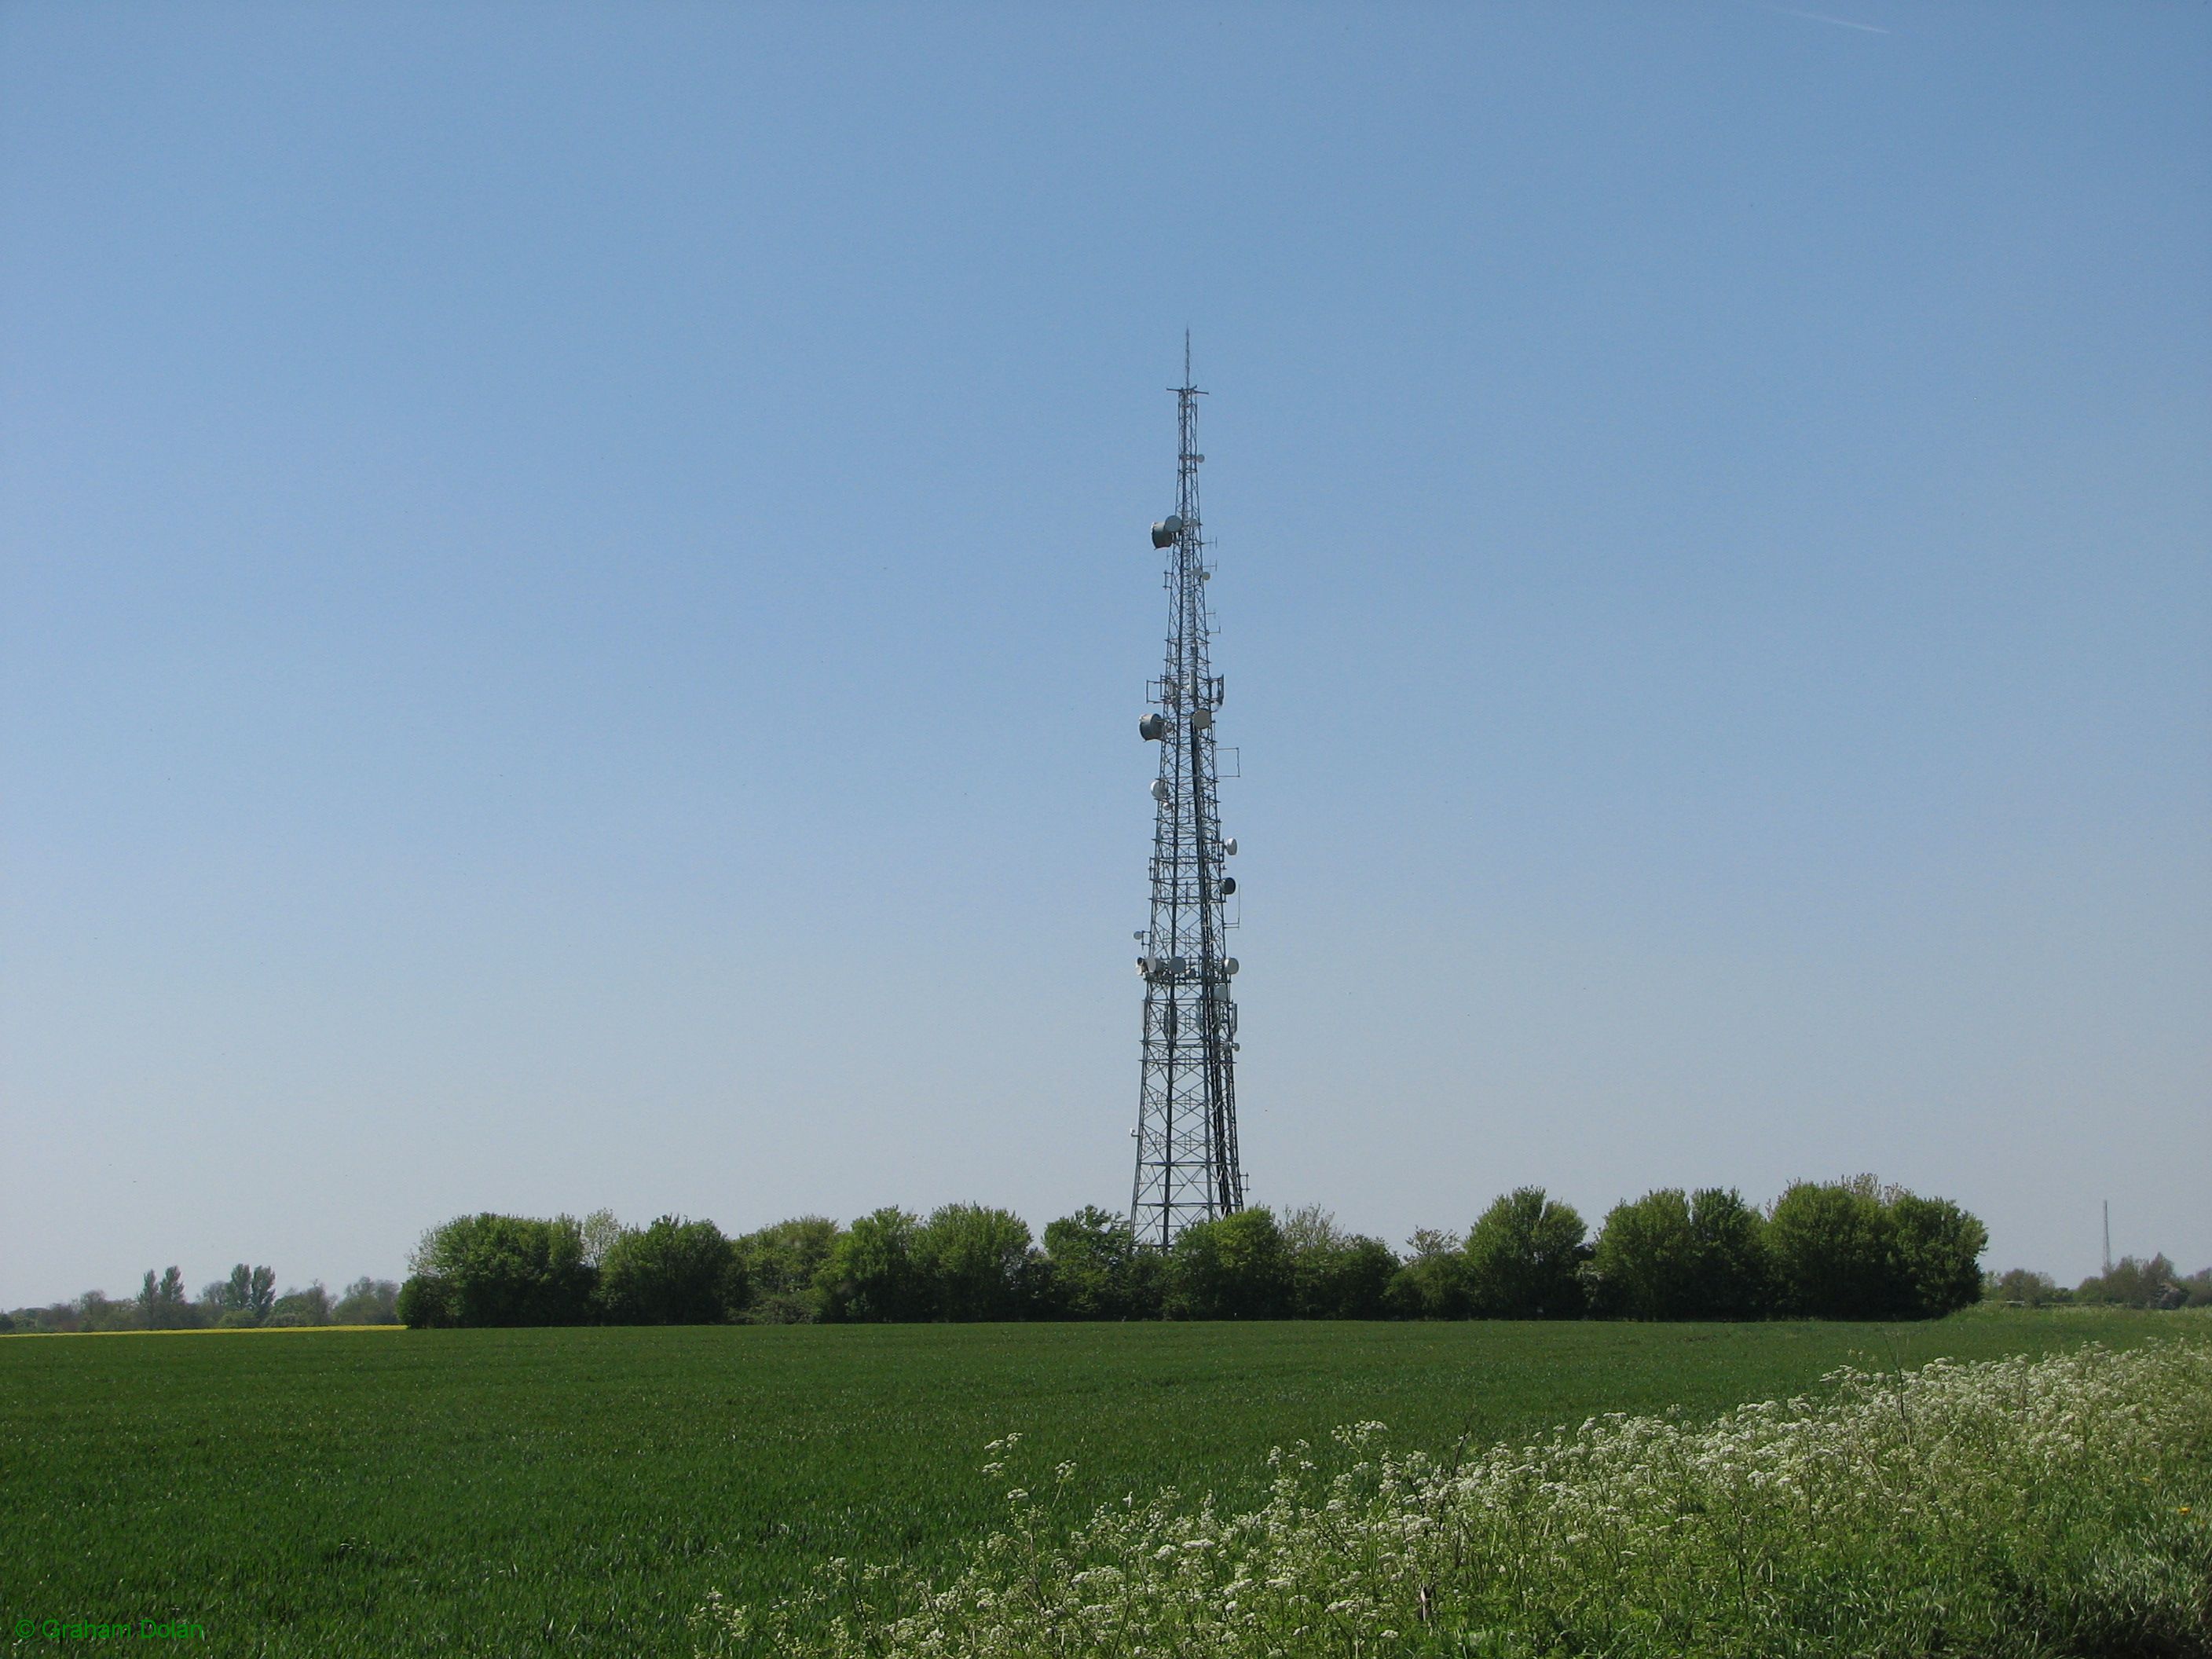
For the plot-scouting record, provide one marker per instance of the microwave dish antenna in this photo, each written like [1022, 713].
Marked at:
[1187, 1164]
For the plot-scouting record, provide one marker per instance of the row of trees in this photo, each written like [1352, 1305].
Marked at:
[248, 1298]
[2129, 1283]
[1851, 1249]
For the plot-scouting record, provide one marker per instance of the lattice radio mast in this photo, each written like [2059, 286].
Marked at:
[1187, 1165]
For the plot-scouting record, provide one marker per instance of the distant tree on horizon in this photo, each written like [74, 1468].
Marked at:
[1336, 1274]
[368, 1302]
[1096, 1269]
[673, 1273]
[1432, 1283]
[870, 1275]
[1234, 1267]
[1524, 1258]
[975, 1261]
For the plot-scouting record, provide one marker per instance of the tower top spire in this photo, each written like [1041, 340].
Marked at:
[1186, 391]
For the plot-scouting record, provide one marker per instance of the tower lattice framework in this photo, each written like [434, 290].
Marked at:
[1186, 1163]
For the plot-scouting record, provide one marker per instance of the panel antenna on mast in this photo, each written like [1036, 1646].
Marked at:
[1186, 1163]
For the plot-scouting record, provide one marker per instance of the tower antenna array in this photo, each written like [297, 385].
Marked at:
[1186, 1163]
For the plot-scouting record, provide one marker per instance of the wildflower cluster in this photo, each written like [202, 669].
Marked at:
[2018, 1506]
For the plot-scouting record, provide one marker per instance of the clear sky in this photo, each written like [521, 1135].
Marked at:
[576, 599]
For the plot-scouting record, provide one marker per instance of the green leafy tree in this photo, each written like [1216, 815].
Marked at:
[673, 1273]
[1835, 1253]
[973, 1262]
[95, 1312]
[2133, 1283]
[870, 1275]
[1645, 1265]
[251, 1291]
[779, 1266]
[1235, 1267]
[309, 1307]
[368, 1302]
[502, 1270]
[1335, 1274]
[1099, 1270]
[2025, 1288]
[162, 1305]
[1673, 1255]
[1432, 1281]
[1524, 1258]
[1734, 1275]
[599, 1230]
[424, 1302]
[1939, 1254]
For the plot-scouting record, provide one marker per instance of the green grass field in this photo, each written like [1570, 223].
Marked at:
[335, 1492]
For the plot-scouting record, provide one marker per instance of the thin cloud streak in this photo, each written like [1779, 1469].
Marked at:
[1822, 17]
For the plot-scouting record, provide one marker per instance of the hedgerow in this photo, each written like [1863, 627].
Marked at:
[2019, 1507]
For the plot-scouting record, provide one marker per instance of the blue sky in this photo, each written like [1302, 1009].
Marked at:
[575, 598]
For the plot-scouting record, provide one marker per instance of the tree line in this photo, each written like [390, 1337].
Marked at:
[1845, 1249]
[247, 1299]
[2128, 1283]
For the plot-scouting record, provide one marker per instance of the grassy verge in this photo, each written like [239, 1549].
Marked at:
[2034, 1508]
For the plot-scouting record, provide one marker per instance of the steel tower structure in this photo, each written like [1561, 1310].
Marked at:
[1186, 1163]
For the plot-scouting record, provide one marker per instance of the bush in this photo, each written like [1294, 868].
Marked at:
[673, 1273]
[1524, 1258]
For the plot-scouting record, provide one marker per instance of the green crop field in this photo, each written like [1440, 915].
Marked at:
[335, 1492]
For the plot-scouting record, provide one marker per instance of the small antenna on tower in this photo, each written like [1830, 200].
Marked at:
[2108, 1238]
[1188, 1168]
